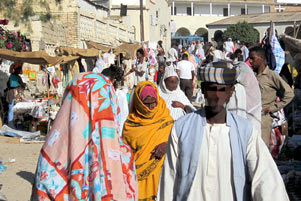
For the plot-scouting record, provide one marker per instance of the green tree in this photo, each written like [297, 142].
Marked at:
[242, 31]
[22, 10]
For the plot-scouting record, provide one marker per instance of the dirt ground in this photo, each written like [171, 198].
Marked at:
[18, 178]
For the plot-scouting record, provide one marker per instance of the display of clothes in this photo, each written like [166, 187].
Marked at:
[269, 55]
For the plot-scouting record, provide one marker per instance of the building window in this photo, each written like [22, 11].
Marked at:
[188, 10]
[225, 12]
[243, 11]
[279, 9]
[153, 20]
[175, 9]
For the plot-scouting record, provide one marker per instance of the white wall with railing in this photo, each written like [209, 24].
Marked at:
[215, 9]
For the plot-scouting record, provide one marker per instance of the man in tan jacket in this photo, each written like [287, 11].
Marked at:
[271, 86]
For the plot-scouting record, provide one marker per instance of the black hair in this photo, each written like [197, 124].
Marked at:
[113, 73]
[160, 42]
[237, 52]
[140, 51]
[184, 56]
[232, 56]
[282, 44]
[259, 51]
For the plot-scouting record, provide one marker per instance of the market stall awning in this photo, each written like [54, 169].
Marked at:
[83, 53]
[128, 48]
[36, 57]
[104, 48]
[292, 45]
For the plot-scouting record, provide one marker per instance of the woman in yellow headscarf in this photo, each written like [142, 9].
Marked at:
[147, 130]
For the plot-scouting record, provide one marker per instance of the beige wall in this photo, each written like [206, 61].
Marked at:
[163, 22]
[152, 33]
[286, 8]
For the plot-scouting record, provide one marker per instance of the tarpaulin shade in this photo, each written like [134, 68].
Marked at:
[292, 45]
[128, 48]
[91, 44]
[83, 53]
[37, 57]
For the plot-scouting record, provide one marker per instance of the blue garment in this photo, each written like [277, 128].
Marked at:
[14, 81]
[190, 131]
[278, 53]
[11, 111]
[11, 114]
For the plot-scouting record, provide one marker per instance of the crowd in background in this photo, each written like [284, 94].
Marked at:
[149, 139]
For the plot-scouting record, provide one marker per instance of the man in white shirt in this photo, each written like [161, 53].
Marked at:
[141, 67]
[173, 53]
[215, 155]
[185, 70]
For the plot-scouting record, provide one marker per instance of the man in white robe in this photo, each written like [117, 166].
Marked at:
[214, 155]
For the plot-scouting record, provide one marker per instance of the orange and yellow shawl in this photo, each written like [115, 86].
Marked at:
[143, 131]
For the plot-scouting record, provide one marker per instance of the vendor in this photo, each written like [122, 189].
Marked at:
[14, 84]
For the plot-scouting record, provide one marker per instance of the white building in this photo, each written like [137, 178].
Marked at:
[189, 17]
[156, 17]
[284, 23]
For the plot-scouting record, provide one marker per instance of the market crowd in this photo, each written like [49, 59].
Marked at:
[191, 123]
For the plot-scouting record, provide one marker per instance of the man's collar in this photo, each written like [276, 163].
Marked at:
[229, 117]
[266, 70]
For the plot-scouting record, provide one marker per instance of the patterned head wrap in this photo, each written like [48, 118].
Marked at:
[221, 72]
[148, 90]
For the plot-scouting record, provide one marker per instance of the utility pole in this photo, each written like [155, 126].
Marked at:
[141, 21]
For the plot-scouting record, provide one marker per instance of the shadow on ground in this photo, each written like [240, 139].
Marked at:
[28, 176]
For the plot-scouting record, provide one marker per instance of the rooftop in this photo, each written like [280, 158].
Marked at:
[260, 18]
[228, 1]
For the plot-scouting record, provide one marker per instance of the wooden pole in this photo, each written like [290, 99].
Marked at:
[292, 74]
[48, 96]
[295, 26]
[141, 21]
[271, 31]
[296, 34]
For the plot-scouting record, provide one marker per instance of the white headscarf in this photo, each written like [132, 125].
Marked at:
[169, 73]
[100, 66]
[175, 95]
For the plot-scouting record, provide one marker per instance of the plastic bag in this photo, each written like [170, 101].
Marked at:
[2, 166]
